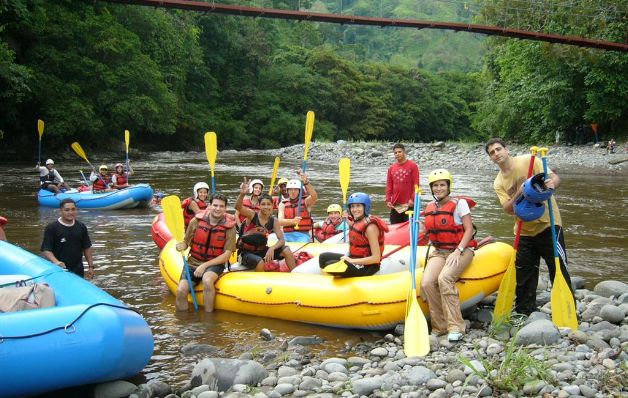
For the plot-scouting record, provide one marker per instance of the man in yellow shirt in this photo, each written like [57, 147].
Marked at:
[536, 236]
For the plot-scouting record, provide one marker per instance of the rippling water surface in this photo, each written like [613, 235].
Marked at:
[593, 209]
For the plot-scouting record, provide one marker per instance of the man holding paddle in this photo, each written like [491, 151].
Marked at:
[50, 178]
[400, 181]
[535, 236]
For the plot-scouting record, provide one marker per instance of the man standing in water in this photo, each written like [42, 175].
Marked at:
[536, 236]
[66, 241]
[400, 181]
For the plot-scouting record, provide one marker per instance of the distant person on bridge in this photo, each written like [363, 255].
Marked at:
[400, 181]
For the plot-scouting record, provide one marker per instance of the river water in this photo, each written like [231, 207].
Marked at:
[593, 210]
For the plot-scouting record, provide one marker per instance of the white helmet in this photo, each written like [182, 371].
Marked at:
[293, 184]
[50, 161]
[252, 184]
[200, 185]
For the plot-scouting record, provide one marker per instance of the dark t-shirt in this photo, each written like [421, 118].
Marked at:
[67, 244]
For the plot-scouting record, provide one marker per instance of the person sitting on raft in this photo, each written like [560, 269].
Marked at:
[251, 202]
[366, 242]
[49, 177]
[195, 204]
[297, 226]
[253, 243]
[120, 178]
[101, 181]
[281, 191]
[449, 227]
[331, 226]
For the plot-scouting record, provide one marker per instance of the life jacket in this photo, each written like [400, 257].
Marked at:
[48, 178]
[246, 202]
[209, 240]
[101, 183]
[328, 229]
[290, 211]
[440, 227]
[255, 235]
[122, 179]
[359, 246]
[188, 214]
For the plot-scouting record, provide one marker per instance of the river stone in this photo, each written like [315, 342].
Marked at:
[225, 372]
[455, 375]
[379, 352]
[160, 389]
[541, 332]
[578, 282]
[612, 314]
[435, 384]
[337, 376]
[191, 349]
[114, 389]
[306, 340]
[310, 383]
[340, 361]
[611, 288]
[284, 389]
[587, 391]
[418, 375]
[208, 394]
[334, 367]
[266, 334]
[357, 361]
[284, 371]
[533, 387]
[366, 386]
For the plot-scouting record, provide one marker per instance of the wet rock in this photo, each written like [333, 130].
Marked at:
[541, 332]
[266, 334]
[306, 340]
[160, 389]
[114, 389]
[611, 288]
[191, 349]
[224, 373]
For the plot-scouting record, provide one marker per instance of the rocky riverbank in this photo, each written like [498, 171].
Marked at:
[589, 159]
[528, 357]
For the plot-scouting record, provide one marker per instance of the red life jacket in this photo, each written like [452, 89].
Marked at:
[359, 246]
[122, 179]
[209, 240]
[101, 183]
[246, 202]
[188, 214]
[255, 236]
[290, 211]
[440, 226]
[328, 229]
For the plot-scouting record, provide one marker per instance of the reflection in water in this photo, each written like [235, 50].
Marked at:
[593, 208]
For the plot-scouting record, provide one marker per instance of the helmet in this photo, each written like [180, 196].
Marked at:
[200, 185]
[293, 184]
[252, 183]
[334, 207]
[118, 165]
[534, 189]
[50, 161]
[528, 211]
[361, 198]
[440, 174]
[282, 181]
[103, 167]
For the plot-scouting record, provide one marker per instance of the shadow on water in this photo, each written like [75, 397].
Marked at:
[593, 208]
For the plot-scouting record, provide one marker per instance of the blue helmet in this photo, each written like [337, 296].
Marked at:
[534, 189]
[528, 211]
[361, 198]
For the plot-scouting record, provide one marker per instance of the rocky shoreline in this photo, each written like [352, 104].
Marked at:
[527, 357]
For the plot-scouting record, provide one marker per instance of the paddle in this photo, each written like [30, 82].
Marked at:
[171, 206]
[309, 128]
[563, 305]
[211, 150]
[416, 341]
[79, 151]
[506, 292]
[84, 179]
[344, 171]
[127, 139]
[40, 130]
[274, 176]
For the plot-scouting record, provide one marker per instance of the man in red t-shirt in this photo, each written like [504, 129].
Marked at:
[400, 182]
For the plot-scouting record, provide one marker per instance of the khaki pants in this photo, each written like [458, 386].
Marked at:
[438, 287]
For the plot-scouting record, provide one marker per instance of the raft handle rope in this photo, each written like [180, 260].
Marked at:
[23, 282]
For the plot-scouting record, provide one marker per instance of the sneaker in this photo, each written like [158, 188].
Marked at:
[454, 336]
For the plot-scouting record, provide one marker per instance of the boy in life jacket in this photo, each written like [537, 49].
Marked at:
[324, 230]
[195, 204]
[49, 177]
[253, 243]
[101, 181]
[449, 227]
[366, 240]
[120, 178]
[297, 227]
[211, 237]
[255, 189]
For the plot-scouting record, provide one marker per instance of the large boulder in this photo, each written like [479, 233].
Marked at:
[611, 288]
[222, 373]
[541, 332]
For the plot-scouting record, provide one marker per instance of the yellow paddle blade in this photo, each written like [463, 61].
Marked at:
[40, 127]
[234, 257]
[543, 151]
[336, 268]
[174, 216]
[274, 175]
[79, 150]
[564, 313]
[506, 293]
[127, 139]
[416, 339]
[211, 149]
[344, 171]
[309, 128]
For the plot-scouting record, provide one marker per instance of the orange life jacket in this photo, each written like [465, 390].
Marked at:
[290, 211]
[122, 179]
[246, 202]
[440, 227]
[328, 229]
[188, 214]
[255, 236]
[102, 182]
[209, 240]
[359, 246]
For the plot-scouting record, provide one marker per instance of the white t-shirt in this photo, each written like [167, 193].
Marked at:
[462, 209]
[43, 171]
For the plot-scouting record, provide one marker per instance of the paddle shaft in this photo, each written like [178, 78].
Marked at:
[84, 179]
[309, 128]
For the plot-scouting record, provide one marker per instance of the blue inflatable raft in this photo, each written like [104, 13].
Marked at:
[88, 337]
[139, 195]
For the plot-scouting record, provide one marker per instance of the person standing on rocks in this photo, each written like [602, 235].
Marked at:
[536, 236]
[400, 181]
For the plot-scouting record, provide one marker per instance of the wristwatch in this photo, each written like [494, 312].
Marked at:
[460, 249]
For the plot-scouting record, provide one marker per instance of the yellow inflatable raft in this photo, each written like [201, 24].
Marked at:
[376, 302]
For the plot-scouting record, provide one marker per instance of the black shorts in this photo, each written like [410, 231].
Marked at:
[216, 269]
[46, 186]
[251, 259]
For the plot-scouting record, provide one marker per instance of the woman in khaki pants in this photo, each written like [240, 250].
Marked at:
[449, 227]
